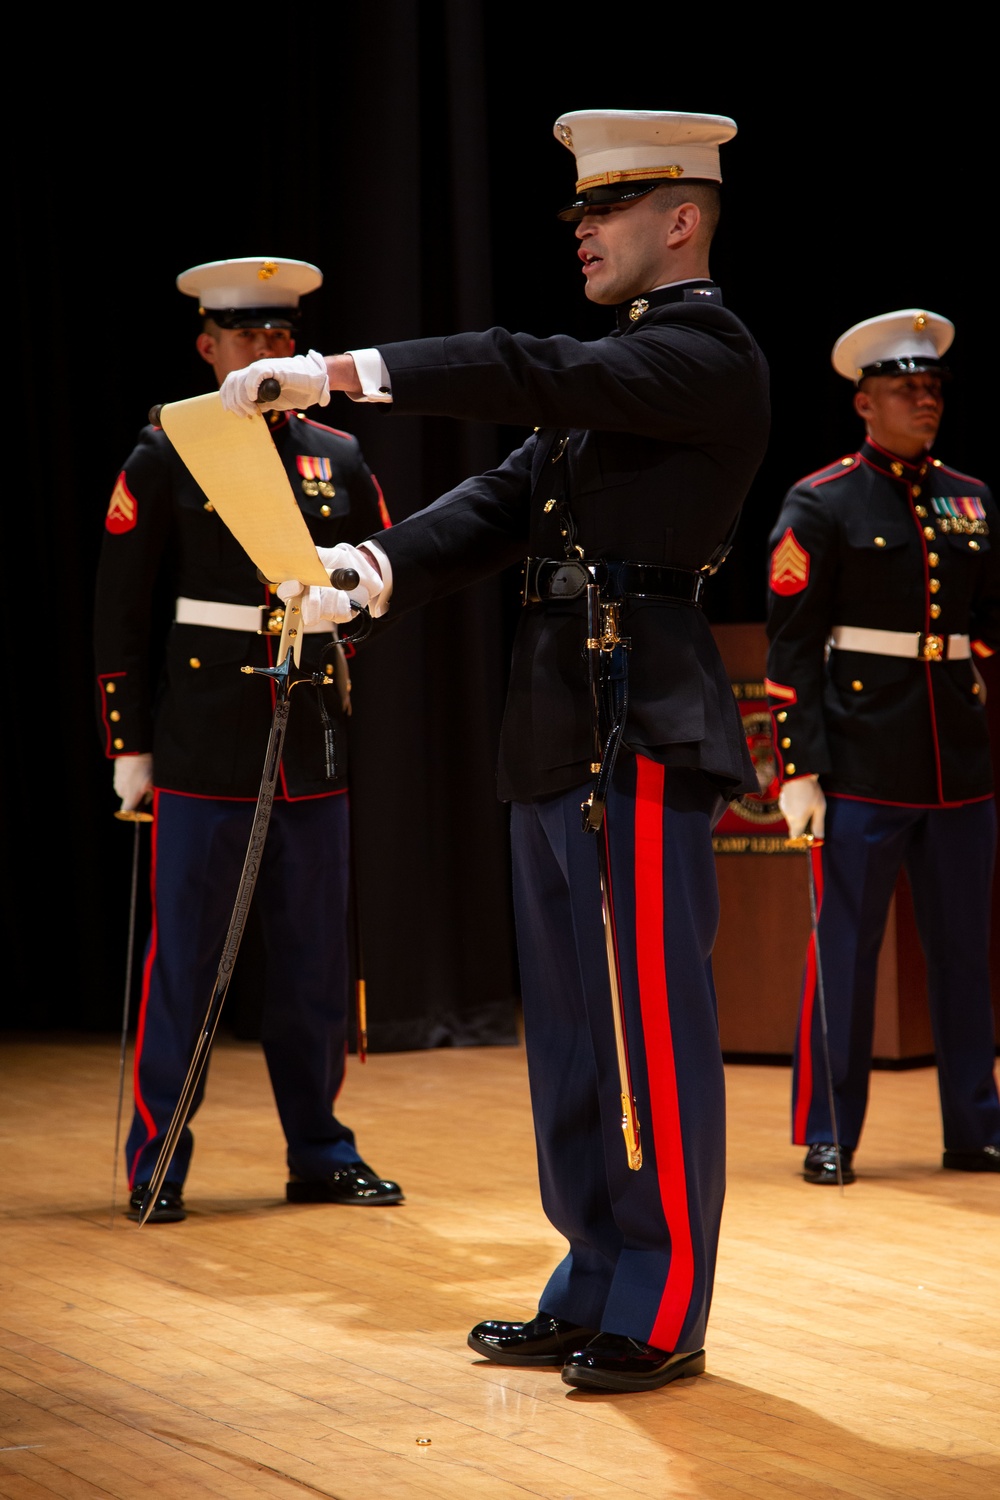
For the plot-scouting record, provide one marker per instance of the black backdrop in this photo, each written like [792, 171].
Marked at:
[407, 150]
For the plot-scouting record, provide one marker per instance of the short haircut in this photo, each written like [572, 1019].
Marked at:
[705, 194]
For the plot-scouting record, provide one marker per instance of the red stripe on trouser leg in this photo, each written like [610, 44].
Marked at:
[650, 941]
[140, 1030]
[804, 1093]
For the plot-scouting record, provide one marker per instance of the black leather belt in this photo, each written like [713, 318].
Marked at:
[548, 578]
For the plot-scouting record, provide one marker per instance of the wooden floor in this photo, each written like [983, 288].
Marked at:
[261, 1349]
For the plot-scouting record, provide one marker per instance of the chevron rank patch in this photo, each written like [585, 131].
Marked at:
[122, 510]
[789, 565]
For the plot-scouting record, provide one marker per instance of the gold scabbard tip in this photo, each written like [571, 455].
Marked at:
[247, 669]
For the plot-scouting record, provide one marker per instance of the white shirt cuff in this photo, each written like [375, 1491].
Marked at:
[374, 377]
[380, 605]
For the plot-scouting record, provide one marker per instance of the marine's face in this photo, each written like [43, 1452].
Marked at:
[228, 349]
[624, 250]
[901, 412]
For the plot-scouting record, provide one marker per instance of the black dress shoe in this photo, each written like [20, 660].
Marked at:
[168, 1208]
[821, 1163]
[543, 1341]
[612, 1362]
[353, 1183]
[986, 1160]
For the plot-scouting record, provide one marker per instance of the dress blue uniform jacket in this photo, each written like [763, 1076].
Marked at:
[873, 541]
[185, 699]
[668, 420]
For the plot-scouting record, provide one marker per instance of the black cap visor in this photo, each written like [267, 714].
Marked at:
[253, 317]
[607, 196]
[915, 366]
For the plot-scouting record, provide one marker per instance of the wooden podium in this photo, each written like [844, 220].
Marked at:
[765, 924]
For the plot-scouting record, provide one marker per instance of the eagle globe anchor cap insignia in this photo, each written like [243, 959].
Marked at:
[622, 154]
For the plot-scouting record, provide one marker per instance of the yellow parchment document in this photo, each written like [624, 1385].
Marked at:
[237, 465]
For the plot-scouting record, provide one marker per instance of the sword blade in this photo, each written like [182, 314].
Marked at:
[630, 1117]
[815, 846]
[230, 948]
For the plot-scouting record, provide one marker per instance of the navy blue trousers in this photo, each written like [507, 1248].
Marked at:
[642, 1245]
[948, 854]
[199, 846]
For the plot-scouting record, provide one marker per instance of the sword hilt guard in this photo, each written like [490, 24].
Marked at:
[804, 841]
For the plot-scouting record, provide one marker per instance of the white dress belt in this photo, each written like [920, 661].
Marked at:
[910, 643]
[249, 617]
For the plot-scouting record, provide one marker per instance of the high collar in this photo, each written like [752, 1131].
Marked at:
[627, 314]
[909, 471]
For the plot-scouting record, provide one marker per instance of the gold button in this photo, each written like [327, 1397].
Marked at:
[934, 585]
[896, 467]
[857, 684]
[975, 688]
[324, 510]
[194, 662]
[935, 610]
[109, 687]
[790, 769]
[915, 491]
[114, 716]
[847, 460]
[921, 510]
[782, 716]
[118, 744]
[933, 559]
[974, 546]
[785, 743]
[548, 505]
[929, 533]
[936, 462]
[209, 505]
[880, 541]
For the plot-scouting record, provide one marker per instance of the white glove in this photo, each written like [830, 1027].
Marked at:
[801, 800]
[302, 377]
[133, 780]
[335, 604]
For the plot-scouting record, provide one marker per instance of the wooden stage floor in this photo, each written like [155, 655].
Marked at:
[263, 1349]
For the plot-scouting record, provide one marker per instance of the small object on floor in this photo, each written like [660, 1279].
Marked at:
[821, 1163]
[613, 1362]
[168, 1208]
[542, 1341]
[355, 1182]
[986, 1160]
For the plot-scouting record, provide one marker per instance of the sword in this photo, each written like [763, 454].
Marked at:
[136, 818]
[603, 637]
[811, 844]
[289, 648]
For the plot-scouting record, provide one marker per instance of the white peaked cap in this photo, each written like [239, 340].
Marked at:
[251, 281]
[894, 343]
[614, 146]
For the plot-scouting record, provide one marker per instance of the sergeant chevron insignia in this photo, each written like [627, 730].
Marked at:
[122, 509]
[789, 565]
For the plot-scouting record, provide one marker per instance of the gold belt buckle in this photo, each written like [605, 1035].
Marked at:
[933, 648]
[274, 623]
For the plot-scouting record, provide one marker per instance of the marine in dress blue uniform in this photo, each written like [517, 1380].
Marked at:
[188, 729]
[645, 442]
[884, 591]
